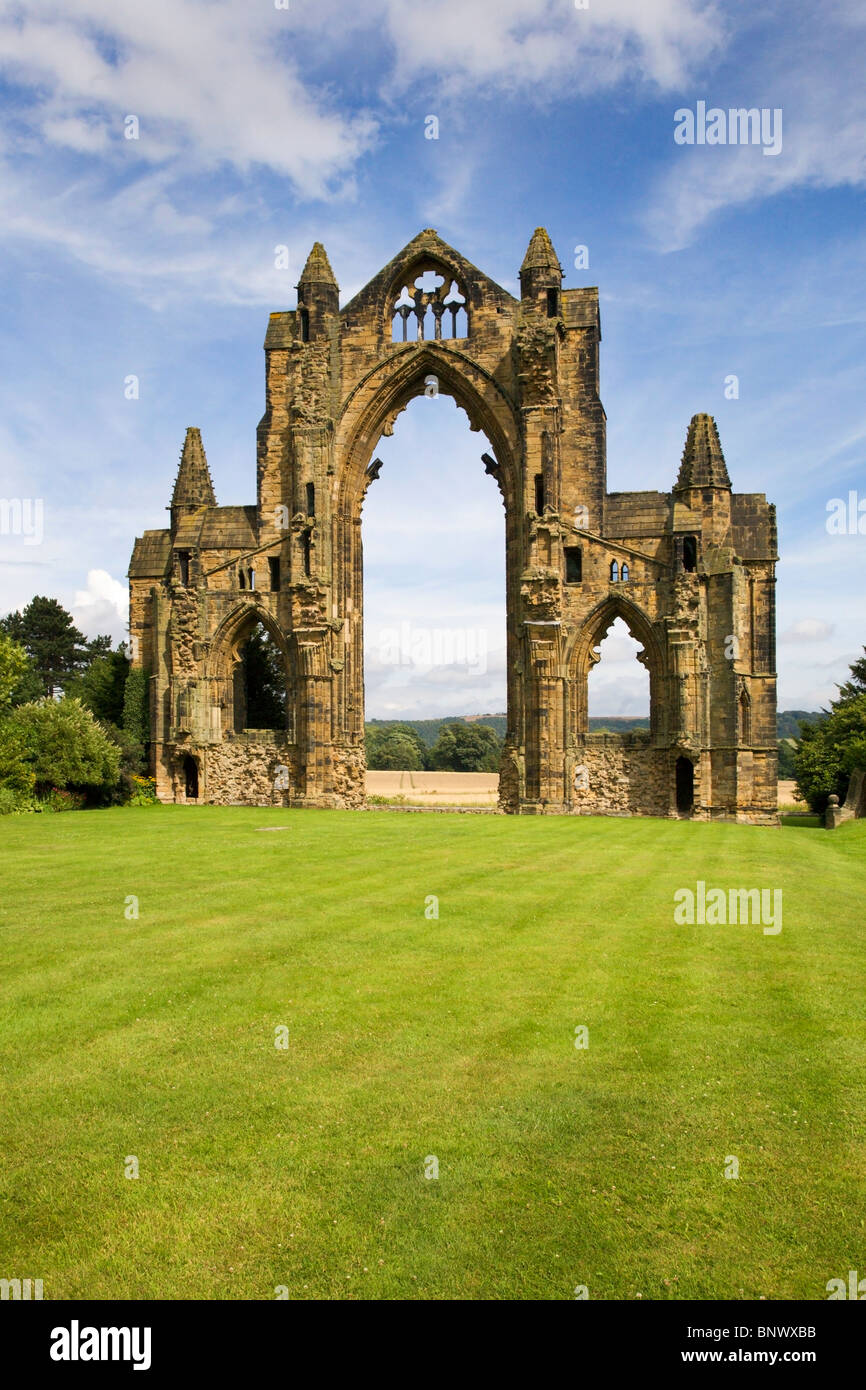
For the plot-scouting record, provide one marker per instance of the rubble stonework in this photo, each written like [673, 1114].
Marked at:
[691, 572]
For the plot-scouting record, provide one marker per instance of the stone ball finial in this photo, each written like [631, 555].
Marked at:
[834, 800]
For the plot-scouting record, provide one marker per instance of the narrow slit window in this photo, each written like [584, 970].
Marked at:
[305, 325]
[573, 564]
[242, 583]
[251, 577]
[552, 304]
[690, 554]
[745, 719]
[311, 499]
[183, 566]
[307, 554]
[274, 567]
[539, 493]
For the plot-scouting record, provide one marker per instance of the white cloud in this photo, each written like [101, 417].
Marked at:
[819, 89]
[103, 606]
[209, 83]
[808, 630]
[223, 89]
[542, 48]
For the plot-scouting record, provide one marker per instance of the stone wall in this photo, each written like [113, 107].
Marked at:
[626, 776]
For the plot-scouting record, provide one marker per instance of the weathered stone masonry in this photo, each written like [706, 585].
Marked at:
[691, 572]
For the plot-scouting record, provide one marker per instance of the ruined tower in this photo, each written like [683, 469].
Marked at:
[691, 572]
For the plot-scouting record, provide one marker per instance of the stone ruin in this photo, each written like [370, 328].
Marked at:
[691, 571]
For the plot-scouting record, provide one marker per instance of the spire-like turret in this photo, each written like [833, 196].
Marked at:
[541, 274]
[193, 487]
[540, 254]
[318, 270]
[703, 462]
[318, 294]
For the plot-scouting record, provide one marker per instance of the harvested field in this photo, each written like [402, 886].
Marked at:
[470, 788]
[436, 788]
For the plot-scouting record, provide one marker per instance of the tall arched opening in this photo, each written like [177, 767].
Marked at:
[433, 545]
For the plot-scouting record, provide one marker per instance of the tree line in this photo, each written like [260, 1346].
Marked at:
[460, 747]
[74, 719]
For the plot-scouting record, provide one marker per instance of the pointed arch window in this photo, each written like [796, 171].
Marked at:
[614, 572]
[432, 307]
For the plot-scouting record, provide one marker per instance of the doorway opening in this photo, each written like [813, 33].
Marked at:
[190, 775]
[433, 528]
[685, 775]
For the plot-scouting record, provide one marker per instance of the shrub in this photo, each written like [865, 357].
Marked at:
[58, 799]
[64, 746]
[10, 801]
[16, 773]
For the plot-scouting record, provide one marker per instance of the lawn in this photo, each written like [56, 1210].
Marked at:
[413, 1039]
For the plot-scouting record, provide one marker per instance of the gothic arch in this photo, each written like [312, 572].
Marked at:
[371, 408]
[234, 630]
[369, 411]
[225, 658]
[581, 656]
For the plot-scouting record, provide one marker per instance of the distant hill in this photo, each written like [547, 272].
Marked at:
[428, 729]
[787, 723]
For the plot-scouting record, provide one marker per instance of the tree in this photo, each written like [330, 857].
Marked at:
[396, 752]
[264, 680]
[463, 747]
[18, 681]
[830, 751]
[854, 687]
[394, 747]
[135, 722]
[64, 746]
[52, 641]
[102, 686]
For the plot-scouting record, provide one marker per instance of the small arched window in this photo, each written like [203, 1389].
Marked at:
[624, 574]
[614, 572]
[745, 718]
[690, 554]
[305, 325]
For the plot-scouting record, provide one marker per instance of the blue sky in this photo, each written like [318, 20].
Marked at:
[261, 126]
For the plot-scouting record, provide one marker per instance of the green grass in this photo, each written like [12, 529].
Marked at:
[411, 1037]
